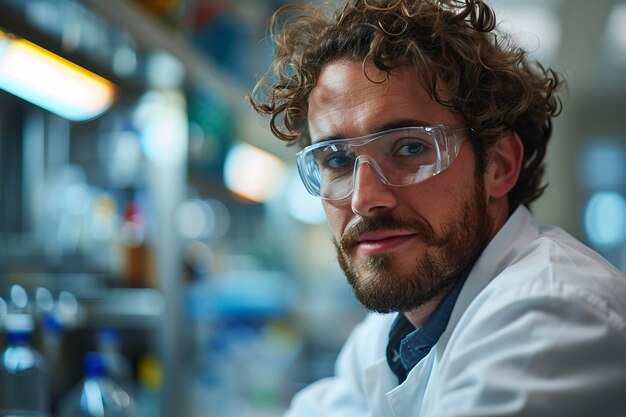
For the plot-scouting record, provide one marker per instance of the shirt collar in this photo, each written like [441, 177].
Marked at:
[408, 345]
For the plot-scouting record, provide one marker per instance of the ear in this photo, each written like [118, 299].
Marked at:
[503, 167]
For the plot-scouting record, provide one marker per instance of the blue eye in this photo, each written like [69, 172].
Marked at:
[334, 158]
[338, 161]
[411, 149]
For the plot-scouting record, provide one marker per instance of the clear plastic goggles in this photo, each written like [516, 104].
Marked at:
[402, 156]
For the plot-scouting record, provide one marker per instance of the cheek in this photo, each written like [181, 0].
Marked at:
[452, 187]
[337, 218]
[430, 198]
[439, 199]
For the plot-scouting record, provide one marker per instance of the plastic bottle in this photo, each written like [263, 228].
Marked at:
[119, 368]
[52, 332]
[97, 395]
[137, 271]
[23, 371]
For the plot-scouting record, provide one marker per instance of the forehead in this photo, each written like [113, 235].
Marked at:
[346, 102]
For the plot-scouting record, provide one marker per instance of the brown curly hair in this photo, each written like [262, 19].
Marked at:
[457, 53]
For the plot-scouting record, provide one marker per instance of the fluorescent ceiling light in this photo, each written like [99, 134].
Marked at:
[51, 82]
[252, 173]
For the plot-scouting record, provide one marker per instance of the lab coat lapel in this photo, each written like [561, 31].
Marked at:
[407, 399]
[518, 231]
[379, 380]
[387, 398]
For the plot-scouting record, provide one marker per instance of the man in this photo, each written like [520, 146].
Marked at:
[424, 134]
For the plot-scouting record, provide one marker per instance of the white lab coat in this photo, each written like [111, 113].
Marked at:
[538, 330]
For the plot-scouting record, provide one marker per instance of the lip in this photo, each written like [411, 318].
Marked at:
[372, 243]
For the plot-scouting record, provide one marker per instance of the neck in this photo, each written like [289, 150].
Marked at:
[419, 315]
[499, 213]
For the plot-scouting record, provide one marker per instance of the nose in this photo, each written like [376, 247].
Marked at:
[370, 195]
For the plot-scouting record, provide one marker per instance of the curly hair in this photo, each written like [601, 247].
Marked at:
[453, 45]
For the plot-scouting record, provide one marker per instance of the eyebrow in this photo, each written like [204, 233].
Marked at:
[394, 124]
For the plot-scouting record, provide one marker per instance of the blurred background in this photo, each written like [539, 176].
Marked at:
[146, 212]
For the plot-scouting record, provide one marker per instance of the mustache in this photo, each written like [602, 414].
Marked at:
[387, 222]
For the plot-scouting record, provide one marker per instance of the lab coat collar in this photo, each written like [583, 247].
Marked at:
[385, 396]
[519, 230]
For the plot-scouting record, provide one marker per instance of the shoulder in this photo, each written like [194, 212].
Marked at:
[546, 336]
[554, 289]
[561, 253]
[556, 266]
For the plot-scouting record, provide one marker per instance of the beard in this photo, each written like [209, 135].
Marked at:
[448, 255]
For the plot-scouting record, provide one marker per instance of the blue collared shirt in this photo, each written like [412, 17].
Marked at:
[408, 345]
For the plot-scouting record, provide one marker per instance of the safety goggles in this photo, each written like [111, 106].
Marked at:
[402, 156]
